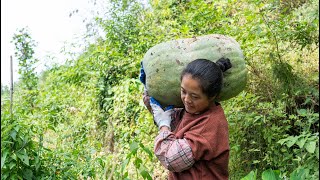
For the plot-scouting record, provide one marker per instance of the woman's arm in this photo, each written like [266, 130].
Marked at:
[174, 154]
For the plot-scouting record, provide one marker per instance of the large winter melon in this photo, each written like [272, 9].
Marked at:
[164, 62]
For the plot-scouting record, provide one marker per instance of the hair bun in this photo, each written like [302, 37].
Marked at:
[224, 64]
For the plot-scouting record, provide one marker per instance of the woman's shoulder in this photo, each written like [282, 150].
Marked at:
[212, 118]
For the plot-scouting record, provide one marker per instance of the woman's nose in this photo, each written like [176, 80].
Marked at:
[187, 99]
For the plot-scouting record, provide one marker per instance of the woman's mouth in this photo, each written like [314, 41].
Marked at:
[188, 106]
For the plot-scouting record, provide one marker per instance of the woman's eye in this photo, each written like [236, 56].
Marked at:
[195, 97]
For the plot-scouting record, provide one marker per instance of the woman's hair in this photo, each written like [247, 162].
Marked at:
[208, 73]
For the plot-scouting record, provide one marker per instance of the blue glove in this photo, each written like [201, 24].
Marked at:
[142, 76]
[161, 117]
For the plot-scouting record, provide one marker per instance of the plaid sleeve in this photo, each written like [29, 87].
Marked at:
[174, 154]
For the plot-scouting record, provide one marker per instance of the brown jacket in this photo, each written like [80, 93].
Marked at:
[207, 134]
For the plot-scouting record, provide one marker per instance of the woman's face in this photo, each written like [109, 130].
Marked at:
[194, 100]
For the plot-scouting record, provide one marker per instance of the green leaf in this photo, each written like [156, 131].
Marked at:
[37, 162]
[11, 165]
[301, 142]
[255, 162]
[302, 112]
[23, 156]
[145, 175]
[299, 174]
[124, 164]
[147, 150]
[251, 176]
[134, 147]
[311, 146]
[14, 156]
[13, 134]
[3, 158]
[137, 162]
[291, 140]
[5, 176]
[126, 175]
[27, 174]
[17, 128]
[50, 126]
[270, 175]
[281, 141]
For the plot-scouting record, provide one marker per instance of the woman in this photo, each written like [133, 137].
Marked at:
[193, 141]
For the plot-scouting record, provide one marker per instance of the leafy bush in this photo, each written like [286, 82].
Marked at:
[264, 136]
[86, 119]
[21, 153]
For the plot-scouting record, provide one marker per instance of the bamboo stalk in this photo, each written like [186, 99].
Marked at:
[11, 86]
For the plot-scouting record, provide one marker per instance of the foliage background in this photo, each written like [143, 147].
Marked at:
[86, 119]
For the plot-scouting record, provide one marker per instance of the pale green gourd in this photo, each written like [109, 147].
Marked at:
[164, 62]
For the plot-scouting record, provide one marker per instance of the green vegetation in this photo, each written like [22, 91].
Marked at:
[86, 119]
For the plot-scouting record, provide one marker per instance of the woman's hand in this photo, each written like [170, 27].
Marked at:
[146, 100]
[164, 128]
[161, 117]
[146, 97]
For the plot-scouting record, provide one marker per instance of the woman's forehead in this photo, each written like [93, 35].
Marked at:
[191, 85]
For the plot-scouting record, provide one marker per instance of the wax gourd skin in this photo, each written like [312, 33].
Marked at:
[164, 62]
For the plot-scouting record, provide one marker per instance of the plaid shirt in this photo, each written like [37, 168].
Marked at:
[174, 154]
